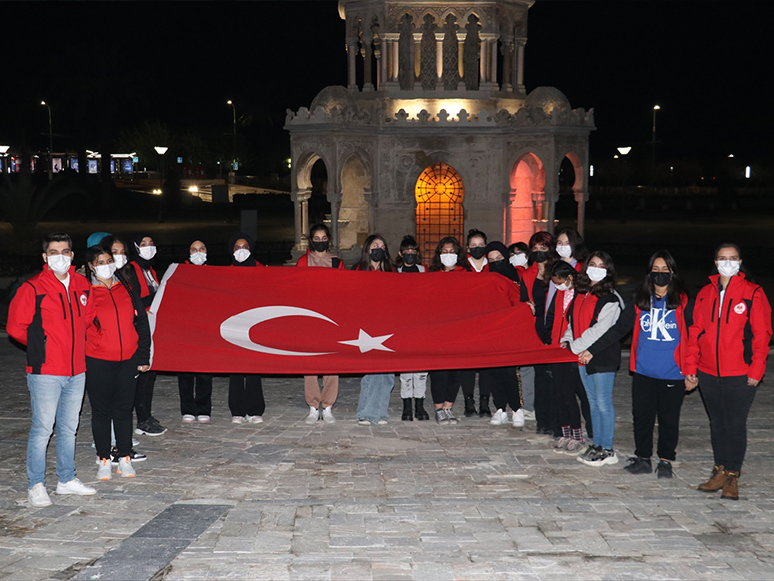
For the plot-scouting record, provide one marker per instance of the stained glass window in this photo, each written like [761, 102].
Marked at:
[439, 193]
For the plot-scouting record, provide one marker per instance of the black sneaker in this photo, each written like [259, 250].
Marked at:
[155, 422]
[639, 465]
[664, 469]
[134, 456]
[148, 428]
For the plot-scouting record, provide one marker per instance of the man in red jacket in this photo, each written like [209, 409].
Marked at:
[47, 314]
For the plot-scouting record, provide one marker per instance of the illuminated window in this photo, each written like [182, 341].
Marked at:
[439, 193]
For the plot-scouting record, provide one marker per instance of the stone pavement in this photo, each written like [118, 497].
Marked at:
[284, 500]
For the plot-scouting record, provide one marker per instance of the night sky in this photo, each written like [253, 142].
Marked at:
[104, 66]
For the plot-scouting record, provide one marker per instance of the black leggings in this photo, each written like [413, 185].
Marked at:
[727, 401]
[504, 384]
[444, 385]
[566, 378]
[245, 395]
[111, 385]
[651, 398]
[143, 396]
[543, 401]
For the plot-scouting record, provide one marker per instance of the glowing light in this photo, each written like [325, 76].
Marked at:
[591, 171]
[730, 155]
[747, 172]
[288, 162]
[4, 149]
[193, 189]
[624, 150]
[157, 192]
[656, 108]
[160, 149]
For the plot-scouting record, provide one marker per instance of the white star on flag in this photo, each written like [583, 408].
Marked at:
[366, 343]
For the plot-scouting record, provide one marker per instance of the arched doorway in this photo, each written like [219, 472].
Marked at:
[439, 194]
[353, 216]
[526, 212]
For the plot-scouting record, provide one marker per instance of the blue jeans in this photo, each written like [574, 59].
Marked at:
[375, 397]
[599, 389]
[54, 399]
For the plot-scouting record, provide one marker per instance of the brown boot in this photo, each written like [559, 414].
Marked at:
[731, 487]
[716, 481]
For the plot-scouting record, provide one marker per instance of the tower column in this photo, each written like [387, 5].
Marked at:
[439, 60]
[460, 65]
[493, 62]
[520, 42]
[483, 59]
[395, 60]
[352, 55]
[335, 200]
[580, 199]
[301, 213]
[368, 37]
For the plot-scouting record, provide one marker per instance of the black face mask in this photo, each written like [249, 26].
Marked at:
[320, 246]
[540, 255]
[498, 265]
[377, 254]
[477, 252]
[660, 278]
[409, 259]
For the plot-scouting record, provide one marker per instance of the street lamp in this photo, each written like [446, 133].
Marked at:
[161, 150]
[50, 142]
[624, 151]
[233, 111]
[653, 151]
[4, 150]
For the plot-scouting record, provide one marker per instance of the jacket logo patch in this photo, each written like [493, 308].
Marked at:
[84, 299]
[740, 308]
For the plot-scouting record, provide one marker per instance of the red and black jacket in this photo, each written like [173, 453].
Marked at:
[140, 284]
[736, 342]
[50, 319]
[116, 327]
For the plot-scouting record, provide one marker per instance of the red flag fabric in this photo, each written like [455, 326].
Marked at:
[318, 321]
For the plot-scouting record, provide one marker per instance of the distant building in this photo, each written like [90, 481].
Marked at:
[434, 133]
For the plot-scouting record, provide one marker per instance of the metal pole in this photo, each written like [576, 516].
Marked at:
[50, 143]
[653, 151]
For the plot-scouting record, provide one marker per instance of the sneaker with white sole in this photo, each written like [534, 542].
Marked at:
[603, 458]
[149, 428]
[38, 496]
[125, 467]
[364, 422]
[313, 416]
[255, 419]
[518, 418]
[450, 416]
[529, 415]
[134, 456]
[328, 416]
[237, 419]
[382, 422]
[188, 419]
[203, 419]
[561, 445]
[589, 453]
[575, 447]
[76, 487]
[105, 470]
[499, 418]
[135, 442]
[440, 416]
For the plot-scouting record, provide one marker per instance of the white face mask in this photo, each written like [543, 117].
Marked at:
[518, 259]
[729, 267]
[241, 255]
[105, 271]
[448, 260]
[562, 287]
[59, 263]
[596, 274]
[564, 250]
[147, 252]
[119, 260]
[198, 258]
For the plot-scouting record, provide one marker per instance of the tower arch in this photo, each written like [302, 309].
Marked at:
[439, 193]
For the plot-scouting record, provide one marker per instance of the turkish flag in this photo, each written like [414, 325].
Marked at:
[317, 321]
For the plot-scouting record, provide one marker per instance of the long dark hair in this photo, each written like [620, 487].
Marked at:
[645, 290]
[365, 255]
[436, 265]
[547, 239]
[408, 243]
[578, 246]
[604, 286]
[107, 243]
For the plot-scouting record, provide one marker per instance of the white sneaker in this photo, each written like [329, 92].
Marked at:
[76, 487]
[328, 416]
[38, 496]
[518, 418]
[529, 415]
[382, 422]
[314, 415]
[237, 419]
[104, 472]
[125, 467]
[203, 419]
[499, 418]
[188, 419]
[255, 419]
[364, 422]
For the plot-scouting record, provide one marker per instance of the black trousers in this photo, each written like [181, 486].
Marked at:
[195, 394]
[143, 395]
[727, 401]
[111, 386]
[245, 395]
[543, 402]
[445, 385]
[565, 387]
[653, 398]
[504, 384]
[468, 383]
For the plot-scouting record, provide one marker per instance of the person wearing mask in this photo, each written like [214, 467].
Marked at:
[245, 392]
[728, 345]
[445, 384]
[195, 389]
[596, 308]
[518, 253]
[477, 261]
[319, 255]
[412, 385]
[48, 315]
[571, 248]
[660, 316]
[145, 283]
[117, 349]
[502, 382]
[375, 389]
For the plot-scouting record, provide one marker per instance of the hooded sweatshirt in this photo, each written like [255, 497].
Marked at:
[251, 261]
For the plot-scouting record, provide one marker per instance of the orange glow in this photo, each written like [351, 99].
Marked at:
[439, 194]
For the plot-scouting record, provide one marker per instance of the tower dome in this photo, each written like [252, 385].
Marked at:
[547, 99]
[334, 96]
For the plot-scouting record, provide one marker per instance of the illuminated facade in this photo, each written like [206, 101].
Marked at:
[434, 133]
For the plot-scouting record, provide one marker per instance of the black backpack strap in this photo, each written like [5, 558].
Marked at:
[335, 261]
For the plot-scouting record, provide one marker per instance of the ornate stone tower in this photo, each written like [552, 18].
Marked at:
[434, 133]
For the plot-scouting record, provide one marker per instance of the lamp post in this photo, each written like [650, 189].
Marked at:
[161, 150]
[624, 151]
[50, 142]
[653, 150]
[4, 150]
[233, 111]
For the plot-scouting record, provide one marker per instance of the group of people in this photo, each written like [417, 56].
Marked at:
[90, 333]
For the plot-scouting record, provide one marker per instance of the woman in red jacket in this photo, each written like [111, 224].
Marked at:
[727, 350]
[117, 348]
